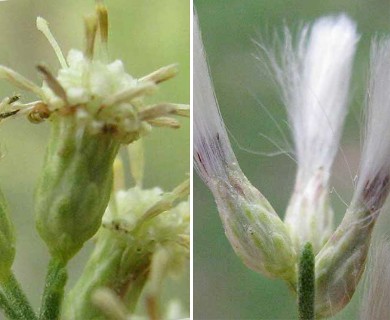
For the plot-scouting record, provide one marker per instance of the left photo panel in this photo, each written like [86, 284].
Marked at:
[95, 159]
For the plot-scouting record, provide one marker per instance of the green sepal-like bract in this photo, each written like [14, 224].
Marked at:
[341, 262]
[257, 234]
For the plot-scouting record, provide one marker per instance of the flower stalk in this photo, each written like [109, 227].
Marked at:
[12, 297]
[54, 290]
[9, 310]
[16, 300]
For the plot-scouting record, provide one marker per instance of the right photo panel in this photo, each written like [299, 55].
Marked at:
[291, 146]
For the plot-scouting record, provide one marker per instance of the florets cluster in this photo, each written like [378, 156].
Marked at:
[142, 214]
[101, 97]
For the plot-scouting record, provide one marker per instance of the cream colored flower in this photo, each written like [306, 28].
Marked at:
[101, 96]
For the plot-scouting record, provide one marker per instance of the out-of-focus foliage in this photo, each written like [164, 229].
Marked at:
[145, 35]
[249, 101]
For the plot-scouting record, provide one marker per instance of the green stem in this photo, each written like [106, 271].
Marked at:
[306, 282]
[54, 290]
[16, 299]
[7, 308]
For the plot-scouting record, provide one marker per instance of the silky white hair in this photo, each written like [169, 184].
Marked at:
[212, 150]
[373, 179]
[375, 300]
[314, 75]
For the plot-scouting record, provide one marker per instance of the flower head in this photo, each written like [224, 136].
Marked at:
[93, 107]
[101, 96]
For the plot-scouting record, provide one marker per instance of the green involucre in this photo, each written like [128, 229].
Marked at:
[75, 186]
[257, 234]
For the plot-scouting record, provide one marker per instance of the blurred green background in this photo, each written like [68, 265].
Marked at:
[145, 35]
[223, 287]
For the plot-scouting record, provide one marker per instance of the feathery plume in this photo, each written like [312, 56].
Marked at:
[314, 77]
[212, 148]
[375, 301]
[374, 174]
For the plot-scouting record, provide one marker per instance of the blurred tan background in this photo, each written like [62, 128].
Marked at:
[145, 35]
[223, 287]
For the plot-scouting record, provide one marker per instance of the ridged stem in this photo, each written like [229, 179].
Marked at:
[54, 290]
[14, 302]
[306, 283]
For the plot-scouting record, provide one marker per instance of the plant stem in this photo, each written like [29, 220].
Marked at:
[7, 308]
[14, 301]
[54, 290]
[306, 282]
